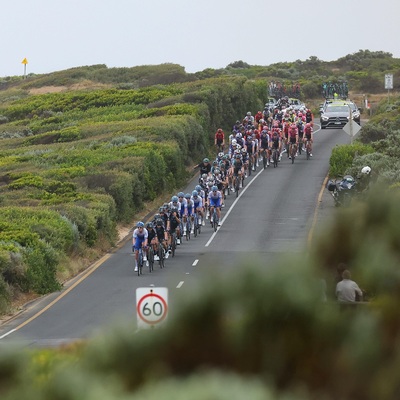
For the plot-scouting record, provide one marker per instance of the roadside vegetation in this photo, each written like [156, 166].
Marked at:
[76, 163]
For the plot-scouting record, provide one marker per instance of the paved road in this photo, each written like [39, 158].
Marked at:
[273, 215]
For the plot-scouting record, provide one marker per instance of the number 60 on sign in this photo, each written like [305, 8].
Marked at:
[151, 306]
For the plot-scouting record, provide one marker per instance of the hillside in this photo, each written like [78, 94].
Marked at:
[85, 150]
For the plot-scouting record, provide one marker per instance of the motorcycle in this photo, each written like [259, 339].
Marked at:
[343, 190]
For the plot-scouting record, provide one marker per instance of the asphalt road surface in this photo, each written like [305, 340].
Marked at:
[274, 214]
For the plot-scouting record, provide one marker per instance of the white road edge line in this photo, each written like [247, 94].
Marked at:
[8, 333]
[180, 284]
[195, 263]
[232, 206]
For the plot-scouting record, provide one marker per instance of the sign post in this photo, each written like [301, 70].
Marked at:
[24, 61]
[151, 306]
[351, 128]
[388, 83]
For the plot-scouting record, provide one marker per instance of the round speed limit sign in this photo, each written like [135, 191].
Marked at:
[151, 306]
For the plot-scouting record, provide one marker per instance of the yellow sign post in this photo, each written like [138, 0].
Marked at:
[24, 61]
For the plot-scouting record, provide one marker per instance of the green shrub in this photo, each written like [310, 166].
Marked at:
[342, 157]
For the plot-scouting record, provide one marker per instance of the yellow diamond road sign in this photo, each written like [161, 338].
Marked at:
[24, 61]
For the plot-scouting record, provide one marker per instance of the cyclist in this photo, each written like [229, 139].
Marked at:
[308, 136]
[248, 119]
[139, 240]
[174, 227]
[182, 207]
[237, 169]
[175, 204]
[275, 142]
[190, 211]
[232, 147]
[264, 143]
[309, 117]
[250, 149]
[300, 129]
[293, 138]
[219, 140]
[258, 116]
[215, 198]
[198, 207]
[151, 239]
[161, 237]
[204, 167]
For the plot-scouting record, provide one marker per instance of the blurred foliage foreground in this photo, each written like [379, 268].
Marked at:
[263, 333]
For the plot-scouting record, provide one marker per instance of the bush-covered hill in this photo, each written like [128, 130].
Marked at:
[109, 140]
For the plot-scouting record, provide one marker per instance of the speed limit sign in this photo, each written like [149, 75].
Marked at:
[151, 306]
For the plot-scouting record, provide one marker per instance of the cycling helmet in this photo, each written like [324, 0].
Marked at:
[181, 194]
[238, 135]
[206, 160]
[140, 224]
[221, 154]
[214, 188]
[188, 196]
[219, 130]
[157, 216]
[161, 209]
[237, 155]
[210, 184]
[195, 193]
[244, 151]
[366, 170]
[237, 151]
[174, 199]
[174, 209]
[308, 125]
[215, 162]
[217, 171]
[238, 147]
[198, 188]
[159, 222]
[248, 113]
[234, 142]
[149, 225]
[204, 176]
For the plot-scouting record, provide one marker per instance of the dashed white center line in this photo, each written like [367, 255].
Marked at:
[195, 263]
[180, 284]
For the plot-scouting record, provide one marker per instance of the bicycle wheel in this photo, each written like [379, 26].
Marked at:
[151, 259]
[308, 152]
[161, 255]
[264, 159]
[215, 220]
[275, 158]
[293, 153]
[140, 263]
[173, 244]
[300, 147]
[195, 227]
[250, 167]
[187, 234]
[237, 186]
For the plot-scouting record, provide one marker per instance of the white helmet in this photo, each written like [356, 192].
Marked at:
[366, 170]
[234, 142]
